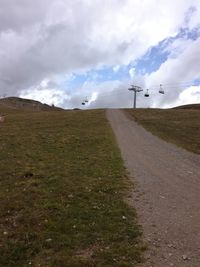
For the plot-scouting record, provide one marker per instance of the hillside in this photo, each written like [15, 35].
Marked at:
[180, 125]
[16, 103]
[62, 192]
[190, 106]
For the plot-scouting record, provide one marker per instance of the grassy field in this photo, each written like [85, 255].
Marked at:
[62, 190]
[178, 126]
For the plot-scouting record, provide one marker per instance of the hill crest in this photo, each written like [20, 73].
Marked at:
[189, 106]
[18, 103]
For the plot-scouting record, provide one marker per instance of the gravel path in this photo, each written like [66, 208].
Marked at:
[166, 195]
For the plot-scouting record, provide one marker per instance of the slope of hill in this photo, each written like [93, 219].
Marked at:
[24, 104]
[190, 106]
[62, 192]
[180, 126]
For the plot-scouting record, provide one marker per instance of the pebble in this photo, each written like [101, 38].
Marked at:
[185, 257]
[171, 246]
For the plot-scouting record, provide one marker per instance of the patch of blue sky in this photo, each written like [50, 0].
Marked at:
[156, 55]
[151, 61]
[196, 82]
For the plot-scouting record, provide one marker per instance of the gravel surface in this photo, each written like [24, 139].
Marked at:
[166, 195]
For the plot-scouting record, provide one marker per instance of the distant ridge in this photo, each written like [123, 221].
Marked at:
[190, 106]
[25, 104]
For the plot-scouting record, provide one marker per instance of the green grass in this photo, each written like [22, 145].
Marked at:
[178, 126]
[62, 191]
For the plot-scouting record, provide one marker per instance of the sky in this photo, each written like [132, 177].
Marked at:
[64, 52]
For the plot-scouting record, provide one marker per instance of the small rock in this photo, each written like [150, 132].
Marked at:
[2, 118]
[171, 246]
[185, 257]
[148, 256]
[5, 233]
[123, 217]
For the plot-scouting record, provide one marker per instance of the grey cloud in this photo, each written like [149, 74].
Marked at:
[19, 14]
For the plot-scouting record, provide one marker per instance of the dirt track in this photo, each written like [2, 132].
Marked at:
[166, 196]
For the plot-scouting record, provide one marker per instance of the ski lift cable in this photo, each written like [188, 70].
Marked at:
[120, 91]
[152, 87]
[175, 85]
[165, 86]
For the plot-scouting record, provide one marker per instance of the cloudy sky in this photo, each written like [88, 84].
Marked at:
[63, 52]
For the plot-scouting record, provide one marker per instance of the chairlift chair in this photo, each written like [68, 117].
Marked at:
[147, 93]
[161, 91]
[86, 100]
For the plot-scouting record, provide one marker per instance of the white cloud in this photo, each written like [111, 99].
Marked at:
[93, 98]
[49, 96]
[132, 73]
[116, 68]
[46, 92]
